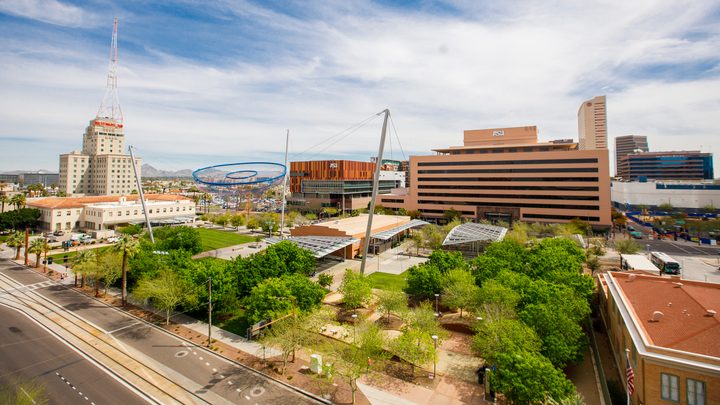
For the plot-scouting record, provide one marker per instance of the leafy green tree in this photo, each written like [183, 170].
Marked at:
[109, 268]
[627, 246]
[432, 236]
[446, 261]
[289, 335]
[356, 289]
[18, 200]
[667, 207]
[296, 259]
[451, 215]
[3, 200]
[527, 377]
[325, 280]
[178, 237]
[307, 295]
[224, 286]
[237, 221]
[276, 297]
[20, 219]
[352, 361]
[16, 240]
[132, 230]
[392, 301]
[84, 263]
[167, 291]
[422, 318]
[503, 335]
[495, 292]
[127, 246]
[423, 281]
[414, 347]
[459, 289]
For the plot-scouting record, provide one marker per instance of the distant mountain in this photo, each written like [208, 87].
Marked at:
[41, 171]
[149, 171]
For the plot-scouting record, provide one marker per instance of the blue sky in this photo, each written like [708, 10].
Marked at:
[207, 82]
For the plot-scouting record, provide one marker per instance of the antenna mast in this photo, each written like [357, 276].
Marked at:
[110, 106]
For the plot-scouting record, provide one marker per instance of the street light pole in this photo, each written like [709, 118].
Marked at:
[209, 283]
[435, 339]
[354, 317]
[436, 304]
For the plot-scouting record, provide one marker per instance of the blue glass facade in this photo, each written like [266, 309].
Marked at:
[670, 166]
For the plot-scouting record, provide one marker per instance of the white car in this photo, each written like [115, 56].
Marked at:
[113, 239]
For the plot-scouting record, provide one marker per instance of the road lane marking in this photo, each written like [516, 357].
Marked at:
[121, 328]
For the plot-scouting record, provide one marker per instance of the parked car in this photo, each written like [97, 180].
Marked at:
[51, 239]
[112, 239]
[58, 233]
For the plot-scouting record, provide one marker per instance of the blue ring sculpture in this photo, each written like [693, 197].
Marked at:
[232, 176]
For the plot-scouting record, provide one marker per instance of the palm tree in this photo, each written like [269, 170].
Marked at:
[82, 259]
[16, 240]
[46, 249]
[18, 200]
[126, 245]
[37, 247]
[3, 200]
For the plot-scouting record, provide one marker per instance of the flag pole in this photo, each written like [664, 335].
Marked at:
[627, 385]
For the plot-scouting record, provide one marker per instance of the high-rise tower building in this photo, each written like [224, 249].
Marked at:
[101, 168]
[592, 124]
[627, 144]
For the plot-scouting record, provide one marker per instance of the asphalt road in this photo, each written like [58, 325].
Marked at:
[679, 248]
[29, 352]
[202, 372]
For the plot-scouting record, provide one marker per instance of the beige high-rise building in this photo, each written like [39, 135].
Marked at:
[592, 124]
[100, 168]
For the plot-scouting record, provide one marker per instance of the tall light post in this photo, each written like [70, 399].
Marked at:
[435, 339]
[354, 317]
[436, 304]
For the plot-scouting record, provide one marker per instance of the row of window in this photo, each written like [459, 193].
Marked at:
[524, 188]
[508, 179]
[516, 196]
[670, 389]
[523, 205]
[532, 170]
[509, 162]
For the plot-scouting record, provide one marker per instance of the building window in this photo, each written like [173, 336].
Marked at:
[68, 213]
[695, 392]
[669, 389]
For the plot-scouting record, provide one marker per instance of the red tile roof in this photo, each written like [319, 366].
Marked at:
[684, 325]
[79, 202]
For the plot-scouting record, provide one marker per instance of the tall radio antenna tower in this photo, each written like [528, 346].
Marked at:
[110, 106]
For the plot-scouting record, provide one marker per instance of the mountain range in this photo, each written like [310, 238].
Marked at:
[149, 171]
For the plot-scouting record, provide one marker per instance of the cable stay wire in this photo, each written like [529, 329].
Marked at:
[342, 135]
[397, 137]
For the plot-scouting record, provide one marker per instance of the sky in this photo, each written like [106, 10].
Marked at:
[209, 82]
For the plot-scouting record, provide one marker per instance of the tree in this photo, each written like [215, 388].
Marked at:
[667, 207]
[415, 347]
[178, 237]
[459, 289]
[627, 246]
[23, 392]
[709, 208]
[16, 240]
[325, 280]
[423, 281]
[109, 268]
[83, 263]
[3, 200]
[296, 259]
[289, 335]
[451, 215]
[127, 246]
[390, 301]
[501, 335]
[45, 249]
[528, 377]
[446, 261]
[132, 230]
[277, 296]
[418, 241]
[237, 221]
[37, 247]
[352, 361]
[20, 219]
[356, 289]
[167, 291]
[432, 236]
[18, 200]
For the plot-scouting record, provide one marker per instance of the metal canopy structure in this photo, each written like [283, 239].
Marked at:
[385, 235]
[321, 246]
[472, 232]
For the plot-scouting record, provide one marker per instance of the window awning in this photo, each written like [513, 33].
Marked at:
[321, 246]
[385, 235]
[471, 232]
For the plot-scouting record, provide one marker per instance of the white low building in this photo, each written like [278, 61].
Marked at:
[693, 195]
[98, 213]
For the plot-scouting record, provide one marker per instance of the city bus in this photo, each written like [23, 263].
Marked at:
[665, 263]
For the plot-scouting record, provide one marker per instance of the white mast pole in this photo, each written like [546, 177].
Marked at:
[284, 187]
[142, 195]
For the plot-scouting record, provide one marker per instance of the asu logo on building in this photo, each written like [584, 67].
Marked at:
[498, 132]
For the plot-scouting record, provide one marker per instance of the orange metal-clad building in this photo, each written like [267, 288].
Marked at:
[507, 174]
[328, 170]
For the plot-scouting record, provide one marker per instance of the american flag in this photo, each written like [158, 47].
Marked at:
[630, 376]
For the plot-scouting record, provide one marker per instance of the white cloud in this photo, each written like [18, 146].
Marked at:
[49, 11]
[529, 64]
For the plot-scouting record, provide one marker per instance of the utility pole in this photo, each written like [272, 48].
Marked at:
[376, 181]
[209, 311]
[284, 186]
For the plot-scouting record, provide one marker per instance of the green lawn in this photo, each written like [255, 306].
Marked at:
[214, 239]
[385, 281]
[236, 324]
